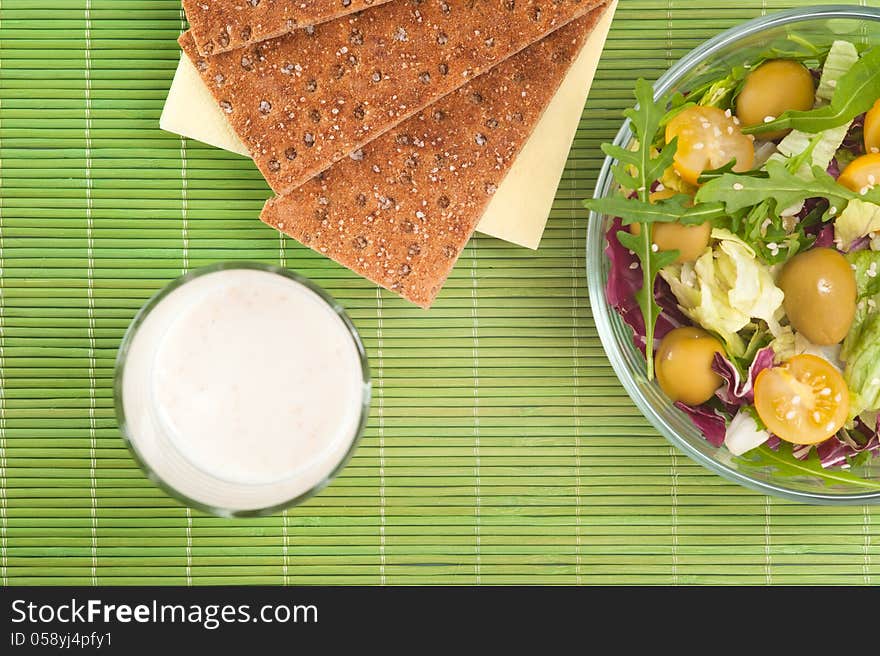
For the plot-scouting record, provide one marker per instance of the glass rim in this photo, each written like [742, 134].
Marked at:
[601, 310]
[153, 302]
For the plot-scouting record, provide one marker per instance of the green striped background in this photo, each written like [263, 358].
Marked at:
[500, 449]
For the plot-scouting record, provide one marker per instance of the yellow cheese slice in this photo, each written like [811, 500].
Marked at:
[191, 111]
[519, 209]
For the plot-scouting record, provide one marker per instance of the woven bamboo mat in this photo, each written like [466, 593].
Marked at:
[500, 449]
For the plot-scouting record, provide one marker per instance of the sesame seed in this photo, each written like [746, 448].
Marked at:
[737, 186]
[654, 248]
[817, 417]
[769, 119]
[728, 113]
[634, 265]
[699, 145]
[832, 211]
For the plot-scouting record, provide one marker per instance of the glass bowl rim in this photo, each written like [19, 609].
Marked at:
[602, 311]
[151, 304]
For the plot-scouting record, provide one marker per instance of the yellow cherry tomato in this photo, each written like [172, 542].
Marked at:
[804, 401]
[775, 87]
[708, 139]
[684, 365]
[690, 241]
[862, 174]
[820, 295]
[872, 129]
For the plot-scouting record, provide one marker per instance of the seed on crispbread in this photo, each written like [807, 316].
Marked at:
[306, 100]
[399, 210]
[222, 25]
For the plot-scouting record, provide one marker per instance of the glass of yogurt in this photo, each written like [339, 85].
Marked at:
[242, 388]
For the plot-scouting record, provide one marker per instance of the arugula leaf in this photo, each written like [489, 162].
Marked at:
[781, 185]
[676, 208]
[645, 119]
[637, 168]
[651, 264]
[856, 92]
[721, 92]
[629, 172]
[785, 464]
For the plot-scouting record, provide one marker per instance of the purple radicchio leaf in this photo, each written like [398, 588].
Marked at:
[823, 232]
[625, 279]
[809, 205]
[859, 244]
[836, 450]
[834, 168]
[707, 420]
[825, 237]
[738, 391]
[854, 141]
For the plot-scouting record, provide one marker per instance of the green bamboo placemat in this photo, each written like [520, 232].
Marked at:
[500, 449]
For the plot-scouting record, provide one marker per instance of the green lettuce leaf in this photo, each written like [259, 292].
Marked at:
[726, 289]
[822, 147]
[861, 348]
[841, 58]
[857, 220]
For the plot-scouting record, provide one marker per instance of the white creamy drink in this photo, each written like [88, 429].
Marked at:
[242, 389]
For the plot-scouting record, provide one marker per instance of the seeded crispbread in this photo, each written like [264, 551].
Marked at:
[400, 210]
[303, 101]
[222, 25]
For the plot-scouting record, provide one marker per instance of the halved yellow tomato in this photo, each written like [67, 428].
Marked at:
[862, 174]
[708, 139]
[872, 129]
[804, 401]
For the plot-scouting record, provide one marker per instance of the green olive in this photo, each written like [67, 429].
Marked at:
[684, 365]
[773, 88]
[820, 295]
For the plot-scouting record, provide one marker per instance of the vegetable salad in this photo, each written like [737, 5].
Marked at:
[746, 251]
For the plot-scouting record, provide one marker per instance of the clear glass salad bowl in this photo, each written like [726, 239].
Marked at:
[818, 25]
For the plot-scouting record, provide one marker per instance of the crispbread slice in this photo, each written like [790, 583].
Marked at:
[400, 210]
[223, 25]
[303, 101]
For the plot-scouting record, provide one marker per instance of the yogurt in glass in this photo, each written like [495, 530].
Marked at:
[242, 388]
